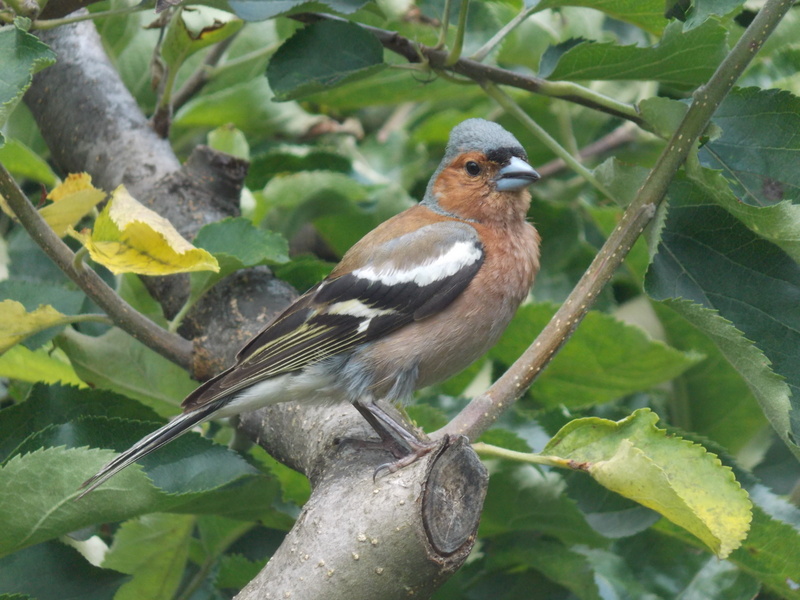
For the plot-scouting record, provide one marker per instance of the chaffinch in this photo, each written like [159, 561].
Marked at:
[415, 301]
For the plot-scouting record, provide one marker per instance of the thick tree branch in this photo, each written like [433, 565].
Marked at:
[106, 133]
[484, 410]
[394, 529]
[92, 123]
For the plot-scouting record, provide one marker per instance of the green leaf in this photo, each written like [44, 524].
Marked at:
[24, 163]
[131, 288]
[675, 477]
[248, 106]
[231, 140]
[238, 240]
[426, 417]
[619, 580]
[524, 499]
[343, 226]
[283, 160]
[604, 360]
[191, 464]
[236, 571]
[194, 28]
[779, 223]
[556, 562]
[647, 14]
[652, 567]
[777, 67]
[236, 244]
[295, 487]
[752, 284]
[304, 272]
[322, 56]
[396, 86]
[703, 9]
[624, 181]
[46, 481]
[769, 388]
[610, 514]
[712, 399]
[44, 365]
[115, 361]
[663, 114]
[194, 476]
[216, 534]
[758, 148]
[291, 201]
[154, 549]
[504, 439]
[771, 553]
[23, 55]
[680, 58]
[259, 10]
[49, 405]
[54, 570]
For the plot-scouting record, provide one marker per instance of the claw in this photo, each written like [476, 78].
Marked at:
[404, 461]
[404, 445]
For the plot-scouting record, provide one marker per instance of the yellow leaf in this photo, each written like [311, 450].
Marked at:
[16, 323]
[6, 208]
[677, 478]
[128, 237]
[75, 182]
[72, 200]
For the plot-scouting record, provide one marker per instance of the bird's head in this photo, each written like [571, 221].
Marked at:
[483, 176]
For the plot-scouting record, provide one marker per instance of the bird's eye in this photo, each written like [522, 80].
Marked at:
[473, 168]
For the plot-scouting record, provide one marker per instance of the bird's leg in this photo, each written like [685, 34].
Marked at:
[388, 442]
[404, 445]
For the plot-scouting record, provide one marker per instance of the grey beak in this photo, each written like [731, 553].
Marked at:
[517, 174]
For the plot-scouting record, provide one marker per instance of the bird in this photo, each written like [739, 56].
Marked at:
[415, 301]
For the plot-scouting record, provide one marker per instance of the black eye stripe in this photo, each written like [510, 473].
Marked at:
[501, 156]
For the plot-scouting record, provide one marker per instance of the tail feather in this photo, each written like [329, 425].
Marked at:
[148, 444]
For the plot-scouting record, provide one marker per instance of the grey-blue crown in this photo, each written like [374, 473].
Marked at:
[478, 135]
[470, 136]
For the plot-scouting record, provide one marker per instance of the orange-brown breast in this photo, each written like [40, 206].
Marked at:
[447, 342]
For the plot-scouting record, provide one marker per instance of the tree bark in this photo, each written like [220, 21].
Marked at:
[401, 535]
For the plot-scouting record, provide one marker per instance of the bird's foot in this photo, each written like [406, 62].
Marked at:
[404, 445]
[411, 456]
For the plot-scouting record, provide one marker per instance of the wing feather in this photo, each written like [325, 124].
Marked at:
[353, 308]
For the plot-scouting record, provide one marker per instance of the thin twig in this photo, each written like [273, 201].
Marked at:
[169, 345]
[444, 26]
[484, 410]
[490, 451]
[458, 45]
[624, 134]
[43, 24]
[484, 50]
[414, 52]
[202, 75]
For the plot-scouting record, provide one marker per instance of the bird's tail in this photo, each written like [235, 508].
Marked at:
[148, 444]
